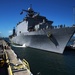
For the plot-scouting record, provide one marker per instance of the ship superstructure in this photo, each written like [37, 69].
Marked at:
[36, 31]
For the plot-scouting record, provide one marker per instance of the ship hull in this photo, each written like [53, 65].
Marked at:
[54, 40]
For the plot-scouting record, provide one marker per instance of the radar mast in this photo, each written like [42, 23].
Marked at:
[30, 12]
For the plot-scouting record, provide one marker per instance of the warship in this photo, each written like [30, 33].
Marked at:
[37, 31]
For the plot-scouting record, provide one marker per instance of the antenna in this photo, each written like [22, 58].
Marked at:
[73, 15]
[30, 5]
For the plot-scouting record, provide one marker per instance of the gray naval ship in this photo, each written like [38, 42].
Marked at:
[37, 32]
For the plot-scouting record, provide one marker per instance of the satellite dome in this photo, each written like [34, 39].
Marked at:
[30, 9]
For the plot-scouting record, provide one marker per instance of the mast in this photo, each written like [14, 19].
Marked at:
[30, 12]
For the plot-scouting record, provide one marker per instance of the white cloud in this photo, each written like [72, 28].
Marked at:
[10, 31]
[0, 32]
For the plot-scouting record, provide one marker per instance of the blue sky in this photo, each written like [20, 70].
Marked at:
[59, 11]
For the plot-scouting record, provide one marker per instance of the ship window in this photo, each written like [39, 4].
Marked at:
[19, 31]
[46, 27]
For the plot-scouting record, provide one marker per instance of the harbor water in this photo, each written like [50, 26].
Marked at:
[48, 63]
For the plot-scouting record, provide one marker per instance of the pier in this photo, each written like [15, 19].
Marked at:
[10, 64]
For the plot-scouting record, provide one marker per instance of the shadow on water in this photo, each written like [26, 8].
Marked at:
[3, 70]
[48, 63]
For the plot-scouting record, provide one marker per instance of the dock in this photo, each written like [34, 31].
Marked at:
[10, 64]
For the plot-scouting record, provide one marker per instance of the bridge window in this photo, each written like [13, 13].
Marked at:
[19, 31]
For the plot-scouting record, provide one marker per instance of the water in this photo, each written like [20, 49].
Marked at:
[48, 63]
